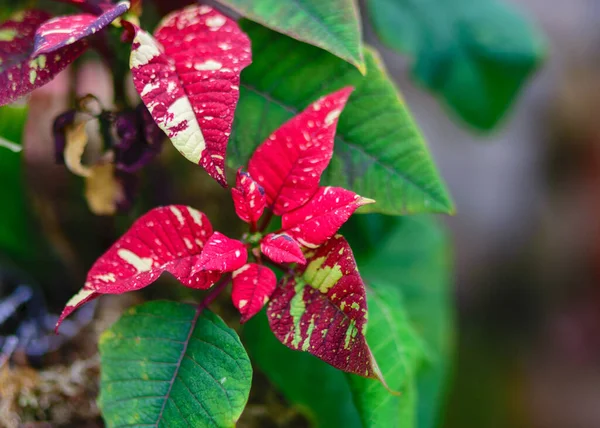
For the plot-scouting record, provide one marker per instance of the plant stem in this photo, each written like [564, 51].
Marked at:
[214, 292]
[266, 221]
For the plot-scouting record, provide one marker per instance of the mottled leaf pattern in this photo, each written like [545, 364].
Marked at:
[252, 284]
[166, 239]
[320, 218]
[289, 164]
[222, 254]
[20, 73]
[188, 77]
[281, 248]
[323, 310]
[379, 151]
[248, 198]
[333, 25]
[165, 364]
[66, 30]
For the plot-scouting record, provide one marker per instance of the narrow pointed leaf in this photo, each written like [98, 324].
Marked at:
[379, 151]
[323, 310]
[281, 248]
[188, 77]
[249, 198]
[289, 164]
[320, 218]
[475, 58]
[20, 72]
[222, 254]
[62, 31]
[333, 25]
[252, 286]
[167, 364]
[166, 239]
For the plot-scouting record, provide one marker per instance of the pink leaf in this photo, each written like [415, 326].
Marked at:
[321, 217]
[253, 284]
[289, 164]
[281, 248]
[20, 73]
[323, 310]
[167, 239]
[248, 198]
[66, 30]
[222, 254]
[189, 79]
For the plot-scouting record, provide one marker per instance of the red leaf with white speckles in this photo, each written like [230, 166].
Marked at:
[248, 198]
[189, 77]
[20, 72]
[323, 310]
[321, 217]
[252, 285]
[66, 30]
[166, 239]
[222, 254]
[281, 248]
[289, 164]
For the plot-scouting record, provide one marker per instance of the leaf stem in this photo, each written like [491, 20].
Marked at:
[266, 220]
[214, 292]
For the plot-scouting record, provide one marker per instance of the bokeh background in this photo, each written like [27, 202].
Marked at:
[526, 235]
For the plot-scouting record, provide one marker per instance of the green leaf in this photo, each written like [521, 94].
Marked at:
[16, 234]
[318, 390]
[166, 364]
[475, 55]
[379, 152]
[333, 25]
[414, 259]
[399, 352]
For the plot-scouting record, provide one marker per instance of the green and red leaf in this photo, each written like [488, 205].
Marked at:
[20, 72]
[222, 254]
[189, 78]
[166, 239]
[248, 198]
[281, 248]
[323, 310]
[65, 30]
[289, 164]
[252, 286]
[321, 217]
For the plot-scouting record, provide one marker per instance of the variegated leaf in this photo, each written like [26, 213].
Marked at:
[320, 218]
[222, 254]
[289, 164]
[281, 248]
[252, 285]
[323, 310]
[66, 30]
[20, 72]
[248, 198]
[166, 239]
[189, 77]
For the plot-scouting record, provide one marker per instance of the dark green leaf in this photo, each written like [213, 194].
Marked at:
[317, 389]
[333, 25]
[379, 152]
[16, 234]
[414, 259]
[475, 54]
[166, 364]
[399, 352]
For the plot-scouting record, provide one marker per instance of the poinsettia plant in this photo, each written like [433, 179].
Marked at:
[300, 125]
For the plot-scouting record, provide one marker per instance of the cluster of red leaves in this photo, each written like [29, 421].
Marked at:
[35, 48]
[320, 304]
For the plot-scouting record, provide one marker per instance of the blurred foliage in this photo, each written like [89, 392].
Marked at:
[475, 54]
